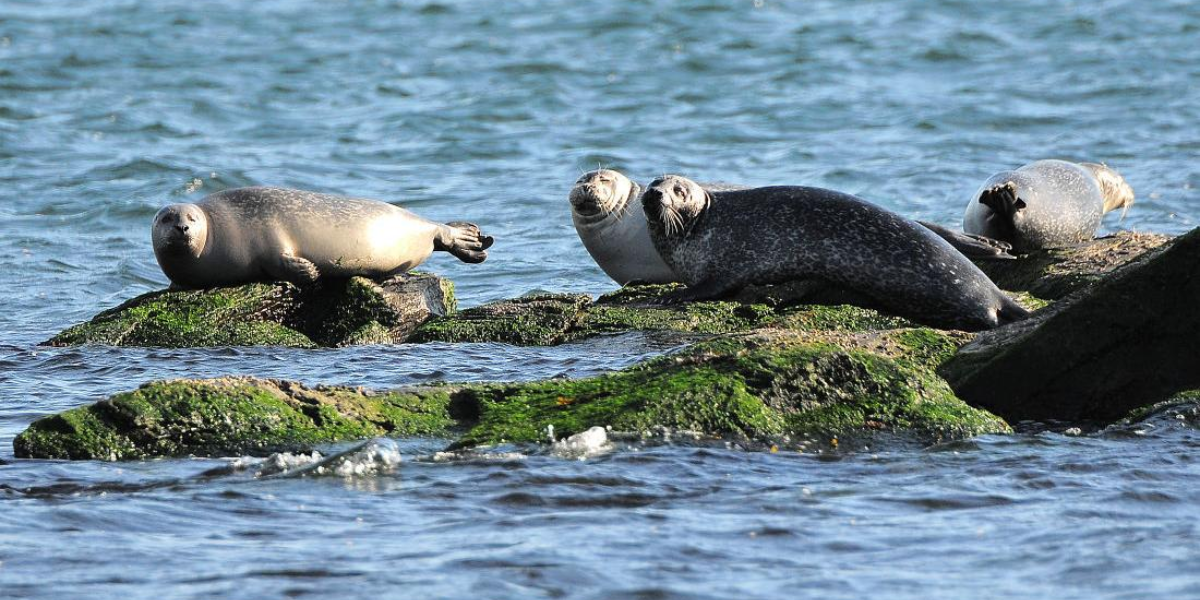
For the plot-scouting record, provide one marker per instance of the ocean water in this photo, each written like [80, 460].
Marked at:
[488, 111]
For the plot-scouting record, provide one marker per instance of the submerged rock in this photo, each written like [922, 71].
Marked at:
[1128, 341]
[778, 387]
[338, 313]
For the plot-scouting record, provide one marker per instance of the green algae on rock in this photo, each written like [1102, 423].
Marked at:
[229, 416]
[763, 386]
[550, 319]
[338, 313]
[771, 386]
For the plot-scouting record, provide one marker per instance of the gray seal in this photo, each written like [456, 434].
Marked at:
[606, 209]
[1046, 204]
[721, 242]
[270, 234]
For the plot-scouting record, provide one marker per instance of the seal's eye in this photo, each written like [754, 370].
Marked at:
[191, 218]
[678, 190]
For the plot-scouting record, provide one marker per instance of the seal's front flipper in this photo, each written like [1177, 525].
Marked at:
[297, 270]
[975, 247]
[465, 241]
[705, 290]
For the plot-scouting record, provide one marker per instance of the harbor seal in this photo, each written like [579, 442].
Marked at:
[720, 242]
[608, 217]
[269, 234]
[607, 211]
[1046, 204]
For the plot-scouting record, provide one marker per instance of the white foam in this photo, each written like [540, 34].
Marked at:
[584, 444]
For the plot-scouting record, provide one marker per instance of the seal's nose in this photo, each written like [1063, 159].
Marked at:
[652, 195]
[182, 228]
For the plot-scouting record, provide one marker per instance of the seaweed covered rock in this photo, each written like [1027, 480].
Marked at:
[1053, 274]
[549, 319]
[1130, 340]
[337, 313]
[229, 416]
[772, 386]
[766, 386]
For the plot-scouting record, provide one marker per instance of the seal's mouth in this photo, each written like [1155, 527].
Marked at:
[584, 199]
[661, 213]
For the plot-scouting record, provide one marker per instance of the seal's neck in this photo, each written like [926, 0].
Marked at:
[1117, 192]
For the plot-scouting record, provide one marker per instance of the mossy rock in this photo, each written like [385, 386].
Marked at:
[1053, 274]
[338, 313]
[550, 319]
[534, 320]
[771, 386]
[230, 416]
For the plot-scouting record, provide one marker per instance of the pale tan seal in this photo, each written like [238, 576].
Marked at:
[1046, 204]
[272, 234]
[721, 242]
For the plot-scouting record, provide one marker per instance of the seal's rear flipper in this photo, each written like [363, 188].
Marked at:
[974, 247]
[465, 241]
[1011, 312]
[1002, 199]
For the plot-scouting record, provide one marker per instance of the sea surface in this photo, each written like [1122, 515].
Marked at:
[488, 111]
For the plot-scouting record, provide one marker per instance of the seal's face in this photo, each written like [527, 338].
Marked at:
[673, 204]
[601, 193]
[180, 229]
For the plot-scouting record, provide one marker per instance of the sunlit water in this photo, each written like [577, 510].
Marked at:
[487, 111]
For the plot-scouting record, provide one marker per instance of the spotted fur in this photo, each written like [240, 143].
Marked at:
[732, 239]
[1046, 204]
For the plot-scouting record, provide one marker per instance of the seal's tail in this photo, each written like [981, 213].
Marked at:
[467, 242]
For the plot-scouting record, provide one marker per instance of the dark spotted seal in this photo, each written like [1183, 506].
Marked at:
[1046, 204]
[720, 242]
[268, 234]
[606, 208]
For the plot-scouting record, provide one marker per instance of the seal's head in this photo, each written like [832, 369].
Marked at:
[180, 229]
[1117, 192]
[673, 204]
[602, 193]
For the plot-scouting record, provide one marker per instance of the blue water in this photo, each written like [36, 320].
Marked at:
[487, 111]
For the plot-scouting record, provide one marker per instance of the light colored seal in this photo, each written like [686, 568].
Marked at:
[1046, 204]
[269, 234]
[720, 242]
[607, 211]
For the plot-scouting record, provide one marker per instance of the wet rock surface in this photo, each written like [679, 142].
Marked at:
[1130, 340]
[336, 313]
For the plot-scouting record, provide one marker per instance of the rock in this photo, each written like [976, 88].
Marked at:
[550, 319]
[1052, 274]
[1130, 340]
[794, 389]
[339, 313]
[230, 416]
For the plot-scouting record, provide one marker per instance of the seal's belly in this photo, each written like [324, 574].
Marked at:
[374, 245]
